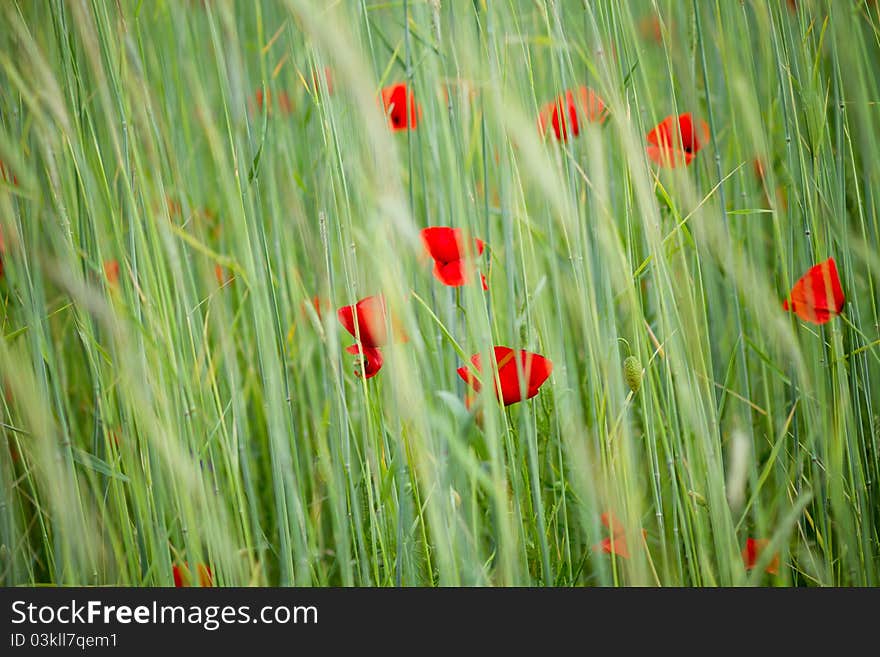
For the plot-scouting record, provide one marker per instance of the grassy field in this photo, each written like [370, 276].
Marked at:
[191, 190]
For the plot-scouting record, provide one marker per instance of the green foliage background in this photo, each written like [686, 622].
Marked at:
[168, 418]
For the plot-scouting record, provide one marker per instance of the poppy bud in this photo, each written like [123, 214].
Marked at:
[632, 372]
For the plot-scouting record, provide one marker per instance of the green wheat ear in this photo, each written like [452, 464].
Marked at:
[632, 372]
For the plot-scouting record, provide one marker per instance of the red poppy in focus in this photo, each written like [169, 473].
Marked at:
[446, 246]
[536, 369]
[111, 271]
[752, 552]
[395, 100]
[183, 577]
[817, 296]
[676, 140]
[616, 543]
[570, 111]
[366, 322]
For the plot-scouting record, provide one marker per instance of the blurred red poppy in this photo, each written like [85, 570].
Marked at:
[183, 577]
[369, 315]
[224, 276]
[817, 296]
[318, 304]
[651, 28]
[111, 271]
[281, 98]
[536, 369]
[616, 543]
[752, 552]
[446, 246]
[175, 210]
[570, 111]
[366, 322]
[676, 140]
[395, 99]
[316, 81]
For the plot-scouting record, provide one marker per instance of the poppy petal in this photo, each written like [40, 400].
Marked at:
[395, 99]
[611, 522]
[591, 105]
[450, 273]
[617, 546]
[370, 315]
[817, 296]
[371, 360]
[570, 111]
[565, 115]
[676, 140]
[445, 244]
[182, 576]
[111, 271]
[536, 369]
[752, 552]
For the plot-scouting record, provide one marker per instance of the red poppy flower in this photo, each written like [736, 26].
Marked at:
[371, 360]
[395, 99]
[370, 316]
[445, 246]
[677, 140]
[817, 296]
[183, 577]
[370, 332]
[616, 543]
[111, 271]
[535, 368]
[570, 110]
[752, 552]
